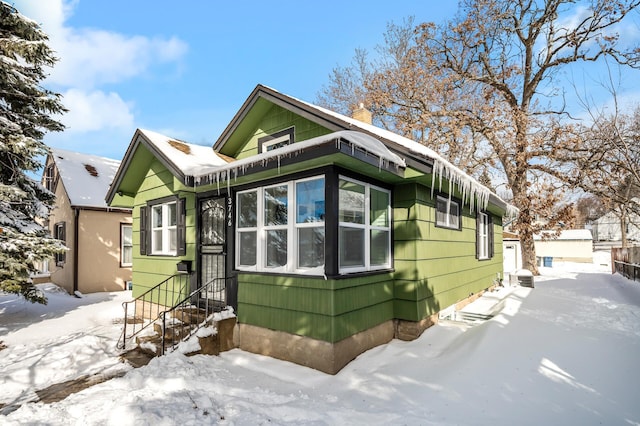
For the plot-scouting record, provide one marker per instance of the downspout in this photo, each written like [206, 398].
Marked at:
[76, 239]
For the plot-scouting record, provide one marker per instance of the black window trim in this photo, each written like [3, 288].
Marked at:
[122, 225]
[452, 200]
[490, 236]
[60, 233]
[145, 226]
[268, 140]
[331, 175]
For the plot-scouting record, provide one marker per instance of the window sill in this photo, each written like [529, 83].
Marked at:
[320, 276]
[452, 228]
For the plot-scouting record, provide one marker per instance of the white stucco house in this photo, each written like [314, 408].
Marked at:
[607, 228]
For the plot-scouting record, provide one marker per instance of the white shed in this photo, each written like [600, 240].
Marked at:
[572, 245]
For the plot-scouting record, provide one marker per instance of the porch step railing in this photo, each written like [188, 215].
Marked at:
[194, 311]
[142, 311]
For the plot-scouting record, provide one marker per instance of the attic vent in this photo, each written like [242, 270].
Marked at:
[92, 170]
[180, 146]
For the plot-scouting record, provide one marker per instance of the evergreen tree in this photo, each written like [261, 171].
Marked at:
[25, 115]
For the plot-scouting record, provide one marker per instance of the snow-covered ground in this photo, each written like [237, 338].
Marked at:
[564, 352]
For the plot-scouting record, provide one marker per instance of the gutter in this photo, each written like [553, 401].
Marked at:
[76, 239]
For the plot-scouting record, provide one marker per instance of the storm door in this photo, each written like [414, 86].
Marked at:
[212, 276]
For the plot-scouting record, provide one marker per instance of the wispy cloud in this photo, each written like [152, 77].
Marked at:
[90, 58]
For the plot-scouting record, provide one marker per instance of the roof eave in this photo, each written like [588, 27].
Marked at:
[140, 138]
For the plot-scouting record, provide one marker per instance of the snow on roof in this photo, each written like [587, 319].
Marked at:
[191, 159]
[568, 234]
[86, 178]
[360, 140]
[470, 188]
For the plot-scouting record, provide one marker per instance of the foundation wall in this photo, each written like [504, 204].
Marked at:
[324, 356]
[330, 357]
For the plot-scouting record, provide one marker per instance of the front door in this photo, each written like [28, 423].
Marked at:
[212, 274]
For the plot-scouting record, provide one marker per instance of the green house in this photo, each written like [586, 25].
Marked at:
[330, 235]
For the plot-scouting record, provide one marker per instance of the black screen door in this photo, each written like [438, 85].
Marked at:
[213, 250]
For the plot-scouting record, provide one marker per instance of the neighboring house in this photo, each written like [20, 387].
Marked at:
[607, 228]
[572, 245]
[511, 252]
[332, 235]
[98, 237]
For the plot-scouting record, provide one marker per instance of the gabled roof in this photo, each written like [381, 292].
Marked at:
[197, 165]
[183, 159]
[86, 178]
[353, 143]
[413, 153]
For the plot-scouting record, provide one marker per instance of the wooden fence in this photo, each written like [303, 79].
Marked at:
[626, 262]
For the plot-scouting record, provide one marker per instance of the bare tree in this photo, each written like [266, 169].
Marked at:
[611, 169]
[483, 90]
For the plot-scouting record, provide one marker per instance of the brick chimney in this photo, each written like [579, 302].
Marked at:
[362, 114]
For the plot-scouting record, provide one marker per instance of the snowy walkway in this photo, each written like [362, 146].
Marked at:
[565, 352]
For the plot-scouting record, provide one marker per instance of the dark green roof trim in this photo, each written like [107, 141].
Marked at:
[139, 139]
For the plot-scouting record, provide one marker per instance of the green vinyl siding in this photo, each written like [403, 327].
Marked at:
[275, 120]
[328, 310]
[436, 267]
[150, 270]
[433, 267]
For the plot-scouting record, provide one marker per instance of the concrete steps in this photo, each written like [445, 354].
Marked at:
[213, 336]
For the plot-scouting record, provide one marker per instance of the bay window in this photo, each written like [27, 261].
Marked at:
[292, 216]
[364, 237]
[309, 224]
[283, 227]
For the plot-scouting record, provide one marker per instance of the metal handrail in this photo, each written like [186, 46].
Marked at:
[203, 309]
[162, 294]
[628, 270]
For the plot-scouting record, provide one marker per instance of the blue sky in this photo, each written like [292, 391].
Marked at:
[184, 68]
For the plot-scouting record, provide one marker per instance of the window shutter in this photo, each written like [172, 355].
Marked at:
[144, 229]
[63, 232]
[181, 227]
[490, 236]
[478, 225]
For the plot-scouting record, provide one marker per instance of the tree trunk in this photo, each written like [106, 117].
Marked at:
[527, 244]
[623, 228]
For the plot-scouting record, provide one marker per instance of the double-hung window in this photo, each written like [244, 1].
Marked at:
[309, 225]
[126, 245]
[281, 227]
[164, 229]
[482, 230]
[484, 236]
[60, 233]
[276, 226]
[364, 237]
[447, 213]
